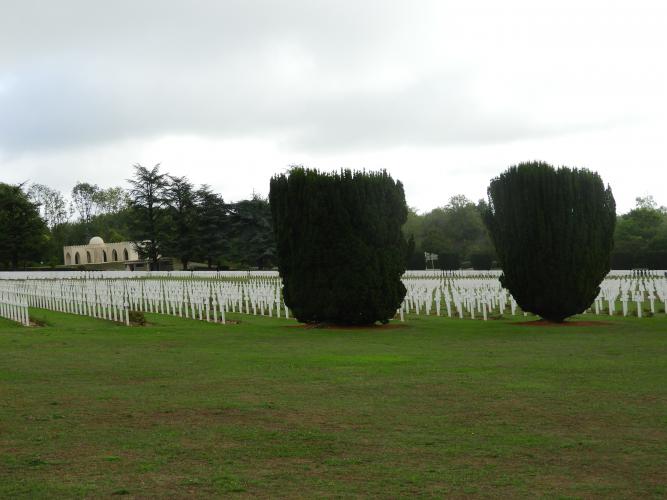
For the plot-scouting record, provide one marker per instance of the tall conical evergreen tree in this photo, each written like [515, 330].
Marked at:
[553, 232]
[341, 252]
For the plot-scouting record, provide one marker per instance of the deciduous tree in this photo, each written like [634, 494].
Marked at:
[52, 204]
[84, 199]
[23, 233]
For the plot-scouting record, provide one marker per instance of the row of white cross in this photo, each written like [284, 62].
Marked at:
[61, 275]
[14, 306]
[207, 300]
[480, 297]
[462, 294]
[246, 275]
[631, 290]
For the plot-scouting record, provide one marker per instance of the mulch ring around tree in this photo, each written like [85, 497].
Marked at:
[331, 326]
[543, 322]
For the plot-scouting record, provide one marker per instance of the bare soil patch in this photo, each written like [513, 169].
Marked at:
[329, 326]
[543, 322]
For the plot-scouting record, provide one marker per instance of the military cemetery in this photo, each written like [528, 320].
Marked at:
[285, 365]
[333, 250]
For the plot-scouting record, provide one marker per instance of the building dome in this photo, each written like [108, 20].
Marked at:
[96, 240]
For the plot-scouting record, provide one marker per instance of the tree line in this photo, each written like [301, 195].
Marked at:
[195, 225]
[166, 214]
[457, 234]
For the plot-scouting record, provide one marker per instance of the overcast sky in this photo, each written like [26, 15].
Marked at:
[444, 95]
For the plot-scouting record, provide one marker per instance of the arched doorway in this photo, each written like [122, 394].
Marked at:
[104, 255]
[68, 259]
[88, 258]
[114, 255]
[126, 256]
[77, 259]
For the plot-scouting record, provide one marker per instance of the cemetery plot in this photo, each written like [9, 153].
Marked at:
[480, 296]
[77, 275]
[13, 304]
[113, 299]
[209, 296]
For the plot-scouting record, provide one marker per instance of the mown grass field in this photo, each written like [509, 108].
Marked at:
[261, 409]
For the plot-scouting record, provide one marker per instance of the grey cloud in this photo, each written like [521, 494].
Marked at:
[90, 73]
[57, 107]
[82, 72]
[434, 111]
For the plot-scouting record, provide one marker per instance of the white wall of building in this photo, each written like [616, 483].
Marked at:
[98, 252]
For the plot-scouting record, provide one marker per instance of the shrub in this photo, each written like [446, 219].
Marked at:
[449, 261]
[341, 252]
[136, 318]
[622, 260]
[553, 232]
[655, 260]
[481, 261]
[416, 260]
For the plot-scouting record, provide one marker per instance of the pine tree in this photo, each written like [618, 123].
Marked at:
[181, 240]
[251, 232]
[147, 197]
[211, 225]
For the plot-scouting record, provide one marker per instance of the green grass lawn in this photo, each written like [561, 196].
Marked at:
[438, 407]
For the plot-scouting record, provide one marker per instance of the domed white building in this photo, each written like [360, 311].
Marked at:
[98, 252]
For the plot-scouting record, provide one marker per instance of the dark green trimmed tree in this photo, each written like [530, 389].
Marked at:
[553, 231]
[341, 251]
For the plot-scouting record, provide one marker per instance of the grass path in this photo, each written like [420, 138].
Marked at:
[439, 407]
